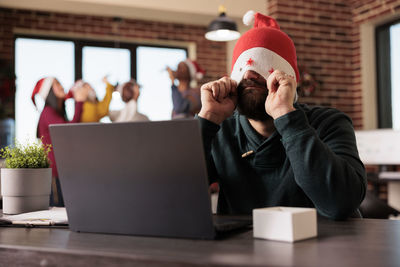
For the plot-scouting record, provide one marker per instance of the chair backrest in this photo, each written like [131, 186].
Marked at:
[373, 207]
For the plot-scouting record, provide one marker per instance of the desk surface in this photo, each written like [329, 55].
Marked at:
[358, 242]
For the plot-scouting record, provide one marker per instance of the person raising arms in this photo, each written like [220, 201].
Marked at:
[53, 94]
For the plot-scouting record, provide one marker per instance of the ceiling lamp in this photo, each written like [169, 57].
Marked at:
[222, 28]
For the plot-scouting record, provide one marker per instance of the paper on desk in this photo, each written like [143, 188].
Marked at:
[52, 216]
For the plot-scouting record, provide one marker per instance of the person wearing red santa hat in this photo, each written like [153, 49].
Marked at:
[266, 149]
[53, 112]
[186, 100]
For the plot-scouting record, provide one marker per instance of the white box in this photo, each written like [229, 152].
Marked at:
[285, 223]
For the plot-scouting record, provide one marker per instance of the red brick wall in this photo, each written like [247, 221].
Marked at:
[364, 11]
[210, 55]
[326, 35]
[321, 31]
[327, 38]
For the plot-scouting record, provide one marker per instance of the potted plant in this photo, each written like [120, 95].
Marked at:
[26, 178]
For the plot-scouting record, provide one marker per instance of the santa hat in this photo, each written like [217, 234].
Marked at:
[196, 72]
[263, 49]
[42, 88]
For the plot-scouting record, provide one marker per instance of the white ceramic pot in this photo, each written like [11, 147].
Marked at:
[25, 190]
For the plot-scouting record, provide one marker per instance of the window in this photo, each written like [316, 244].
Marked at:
[118, 61]
[115, 63]
[395, 69]
[155, 96]
[388, 69]
[69, 60]
[35, 59]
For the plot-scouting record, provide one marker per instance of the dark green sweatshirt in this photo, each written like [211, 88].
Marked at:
[311, 160]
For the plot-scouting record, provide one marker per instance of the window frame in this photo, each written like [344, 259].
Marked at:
[383, 74]
[79, 43]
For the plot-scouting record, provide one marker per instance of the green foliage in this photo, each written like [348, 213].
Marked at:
[32, 155]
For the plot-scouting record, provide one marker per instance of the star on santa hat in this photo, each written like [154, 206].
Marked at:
[271, 70]
[250, 62]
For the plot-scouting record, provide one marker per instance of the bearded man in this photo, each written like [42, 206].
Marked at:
[265, 149]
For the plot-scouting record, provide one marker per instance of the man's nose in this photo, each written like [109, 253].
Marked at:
[251, 75]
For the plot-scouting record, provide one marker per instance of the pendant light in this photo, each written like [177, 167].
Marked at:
[222, 28]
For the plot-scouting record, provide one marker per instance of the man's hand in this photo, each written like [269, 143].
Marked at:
[281, 94]
[218, 100]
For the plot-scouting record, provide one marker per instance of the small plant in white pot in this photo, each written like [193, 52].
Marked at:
[26, 178]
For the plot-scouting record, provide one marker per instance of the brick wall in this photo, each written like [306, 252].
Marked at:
[321, 31]
[327, 38]
[364, 11]
[210, 55]
[326, 35]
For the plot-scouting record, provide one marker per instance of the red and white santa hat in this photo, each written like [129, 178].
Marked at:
[263, 49]
[42, 88]
[196, 72]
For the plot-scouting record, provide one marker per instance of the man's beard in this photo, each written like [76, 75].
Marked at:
[251, 99]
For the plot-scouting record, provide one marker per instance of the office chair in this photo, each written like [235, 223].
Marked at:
[374, 208]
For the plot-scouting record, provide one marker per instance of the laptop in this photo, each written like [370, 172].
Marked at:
[136, 178]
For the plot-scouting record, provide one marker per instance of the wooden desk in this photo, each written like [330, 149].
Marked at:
[358, 242]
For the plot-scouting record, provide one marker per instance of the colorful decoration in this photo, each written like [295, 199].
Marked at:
[307, 84]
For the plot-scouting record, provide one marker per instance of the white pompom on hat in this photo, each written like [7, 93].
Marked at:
[248, 18]
[196, 72]
[42, 88]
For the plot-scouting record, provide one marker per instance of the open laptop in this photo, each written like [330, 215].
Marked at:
[138, 178]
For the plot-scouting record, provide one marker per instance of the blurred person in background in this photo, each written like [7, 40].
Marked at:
[93, 109]
[130, 92]
[54, 112]
[185, 99]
